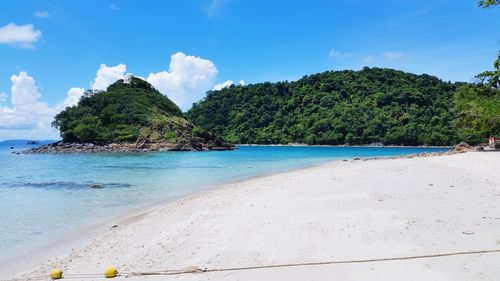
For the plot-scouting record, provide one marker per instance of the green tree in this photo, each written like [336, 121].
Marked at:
[488, 3]
[477, 106]
[334, 107]
[491, 78]
[478, 112]
[131, 111]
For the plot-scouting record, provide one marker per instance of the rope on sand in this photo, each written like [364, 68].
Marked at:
[197, 270]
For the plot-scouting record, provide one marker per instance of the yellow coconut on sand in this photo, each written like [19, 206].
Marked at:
[56, 273]
[110, 272]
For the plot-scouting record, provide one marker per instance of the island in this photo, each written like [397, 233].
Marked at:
[130, 116]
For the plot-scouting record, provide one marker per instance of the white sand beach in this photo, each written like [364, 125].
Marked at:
[340, 211]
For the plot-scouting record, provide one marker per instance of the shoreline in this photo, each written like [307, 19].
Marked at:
[61, 147]
[79, 236]
[347, 146]
[216, 190]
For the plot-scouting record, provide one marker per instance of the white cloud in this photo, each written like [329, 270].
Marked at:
[223, 85]
[28, 117]
[227, 84]
[114, 7]
[334, 54]
[24, 90]
[107, 75]
[394, 55]
[73, 97]
[23, 36]
[28, 114]
[41, 14]
[187, 79]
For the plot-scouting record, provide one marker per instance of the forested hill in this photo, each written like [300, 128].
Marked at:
[335, 107]
[133, 116]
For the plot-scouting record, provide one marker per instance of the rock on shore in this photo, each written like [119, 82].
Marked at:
[62, 147]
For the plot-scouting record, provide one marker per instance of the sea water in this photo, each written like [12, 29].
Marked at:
[43, 196]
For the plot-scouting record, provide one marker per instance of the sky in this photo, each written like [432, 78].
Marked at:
[53, 50]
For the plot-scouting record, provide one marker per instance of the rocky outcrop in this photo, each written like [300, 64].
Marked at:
[463, 147]
[193, 145]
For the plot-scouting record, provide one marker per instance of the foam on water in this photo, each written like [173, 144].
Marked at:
[44, 196]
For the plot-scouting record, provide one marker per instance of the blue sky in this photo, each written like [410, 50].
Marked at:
[223, 40]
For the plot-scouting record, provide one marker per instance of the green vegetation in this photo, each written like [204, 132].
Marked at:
[356, 107]
[335, 107]
[127, 111]
[488, 3]
[478, 107]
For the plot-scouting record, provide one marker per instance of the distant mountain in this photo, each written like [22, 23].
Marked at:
[336, 107]
[129, 116]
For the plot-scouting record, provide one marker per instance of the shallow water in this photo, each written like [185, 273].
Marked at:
[43, 196]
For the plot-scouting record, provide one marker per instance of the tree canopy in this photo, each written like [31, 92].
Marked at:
[127, 111]
[491, 78]
[477, 106]
[334, 107]
[488, 3]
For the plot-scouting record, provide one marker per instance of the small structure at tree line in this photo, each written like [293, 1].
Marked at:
[494, 142]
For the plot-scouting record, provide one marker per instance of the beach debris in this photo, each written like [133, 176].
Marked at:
[111, 272]
[96, 186]
[56, 273]
[468, 233]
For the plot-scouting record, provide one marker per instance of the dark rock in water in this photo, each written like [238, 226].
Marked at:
[11, 147]
[96, 186]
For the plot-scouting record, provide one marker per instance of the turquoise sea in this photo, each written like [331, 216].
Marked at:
[45, 196]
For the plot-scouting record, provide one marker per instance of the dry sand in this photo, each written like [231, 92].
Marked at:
[335, 212]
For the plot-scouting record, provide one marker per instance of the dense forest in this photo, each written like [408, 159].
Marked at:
[335, 107]
[477, 107]
[372, 105]
[130, 111]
